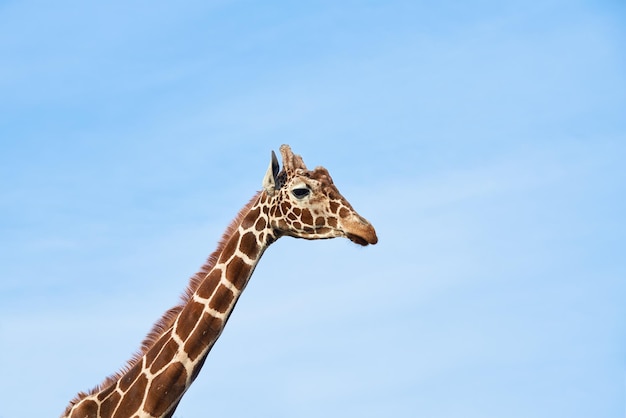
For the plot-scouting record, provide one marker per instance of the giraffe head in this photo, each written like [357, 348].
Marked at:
[306, 204]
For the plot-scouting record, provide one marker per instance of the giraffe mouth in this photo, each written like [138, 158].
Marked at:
[358, 240]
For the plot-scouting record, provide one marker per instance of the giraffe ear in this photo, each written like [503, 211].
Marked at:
[270, 180]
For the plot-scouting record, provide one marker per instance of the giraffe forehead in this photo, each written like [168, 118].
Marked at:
[322, 175]
[319, 174]
[318, 179]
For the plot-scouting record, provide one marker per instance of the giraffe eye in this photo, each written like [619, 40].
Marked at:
[300, 192]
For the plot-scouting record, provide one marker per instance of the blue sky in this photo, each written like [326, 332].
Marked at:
[484, 140]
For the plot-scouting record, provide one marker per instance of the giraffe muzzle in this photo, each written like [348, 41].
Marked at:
[359, 230]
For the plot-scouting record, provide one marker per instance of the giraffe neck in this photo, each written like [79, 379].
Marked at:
[172, 355]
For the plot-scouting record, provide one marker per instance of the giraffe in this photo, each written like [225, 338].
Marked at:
[294, 202]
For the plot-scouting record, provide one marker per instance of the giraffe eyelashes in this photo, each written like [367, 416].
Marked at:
[300, 192]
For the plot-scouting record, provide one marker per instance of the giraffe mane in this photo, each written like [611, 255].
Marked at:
[167, 319]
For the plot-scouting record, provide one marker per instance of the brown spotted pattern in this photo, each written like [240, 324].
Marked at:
[295, 202]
